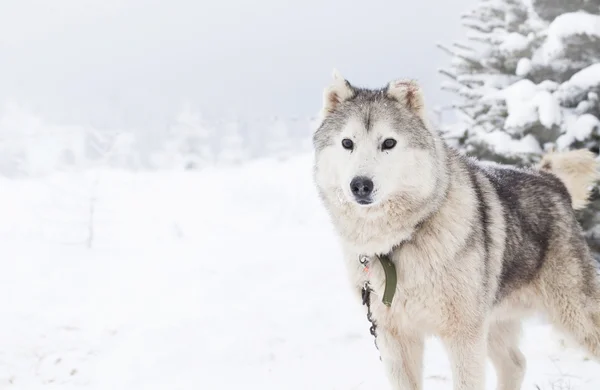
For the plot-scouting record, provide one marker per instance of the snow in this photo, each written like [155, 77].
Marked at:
[574, 23]
[232, 148]
[35, 145]
[523, 67]
[584, 126]
[578, 86]
[565, 26]
[548, 109]
[577, 128]
[502, 143]
[587, 77]
[514, 42]
[583, 107]
[528, 103]
[548, 85]
[218, 279]
[519, 103]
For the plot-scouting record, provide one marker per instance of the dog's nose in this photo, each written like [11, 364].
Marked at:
[361, 187]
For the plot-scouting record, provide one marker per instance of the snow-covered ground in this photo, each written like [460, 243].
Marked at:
[223, 279]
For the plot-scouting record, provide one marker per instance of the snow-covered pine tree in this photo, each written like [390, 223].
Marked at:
[124, 152]
[278, 139]
[528, 80]
[499, 33]
[189, 143]
[232, 149]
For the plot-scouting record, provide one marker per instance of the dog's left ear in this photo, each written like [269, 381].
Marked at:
[408, 94]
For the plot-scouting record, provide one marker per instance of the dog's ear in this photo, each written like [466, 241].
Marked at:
[408, 94]
[339, 90]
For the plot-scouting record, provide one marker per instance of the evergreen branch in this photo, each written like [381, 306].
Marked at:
[476, 27]
[480, 39]
[459, 55]
[489, 26]
[470, 93]
[459, 45]
[464, 112]
[450, 88]
[456, 106]
[447, 73]
[445, 49]
[495, 38]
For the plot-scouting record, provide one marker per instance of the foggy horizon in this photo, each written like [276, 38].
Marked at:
[132, 63]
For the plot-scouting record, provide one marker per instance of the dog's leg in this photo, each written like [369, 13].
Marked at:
[570, 290]
[503, 350]
[579, 320]
[467, 352]
[402, 357]
[584, 328]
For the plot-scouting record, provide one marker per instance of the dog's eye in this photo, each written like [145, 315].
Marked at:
[388, 144]
[347, 143]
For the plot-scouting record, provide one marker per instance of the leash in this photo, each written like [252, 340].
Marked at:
[366, 300]
[391, 281]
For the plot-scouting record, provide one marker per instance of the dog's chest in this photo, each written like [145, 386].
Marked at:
[419, 298]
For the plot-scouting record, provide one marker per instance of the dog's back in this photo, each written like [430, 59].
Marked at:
[537, 208]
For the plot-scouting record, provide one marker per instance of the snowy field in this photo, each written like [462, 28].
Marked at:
[222, 279]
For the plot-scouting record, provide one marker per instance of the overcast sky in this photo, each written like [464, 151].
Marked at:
[133, 62]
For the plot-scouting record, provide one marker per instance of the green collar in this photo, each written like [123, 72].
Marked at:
[391, 279]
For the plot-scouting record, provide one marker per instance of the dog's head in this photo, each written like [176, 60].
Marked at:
[374, 145]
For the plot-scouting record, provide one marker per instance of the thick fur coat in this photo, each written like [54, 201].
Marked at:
[477, 246]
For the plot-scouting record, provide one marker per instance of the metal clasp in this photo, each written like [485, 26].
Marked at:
[364, 260]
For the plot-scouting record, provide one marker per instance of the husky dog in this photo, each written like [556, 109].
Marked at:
[476, 246]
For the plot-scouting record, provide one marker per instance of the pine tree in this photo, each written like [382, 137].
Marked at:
[278, 139]
[189, 145]
[528, 81]
[499, 34]
[232, 148]
[124, 152]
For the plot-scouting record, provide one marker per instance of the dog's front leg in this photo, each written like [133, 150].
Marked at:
[467, 352]
[402, 356]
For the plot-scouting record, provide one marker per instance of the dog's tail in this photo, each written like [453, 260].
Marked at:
[577, 169]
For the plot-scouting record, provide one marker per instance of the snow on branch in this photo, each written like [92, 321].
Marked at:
[462, 55]
[462, 46]
[568, 30]
[447, 73]
[579, 85]
[450, 87]
[476, 25]
[490, 39]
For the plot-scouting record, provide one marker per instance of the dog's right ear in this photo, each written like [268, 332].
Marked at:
[339, 90]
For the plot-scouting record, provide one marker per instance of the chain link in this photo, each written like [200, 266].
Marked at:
[366, 300]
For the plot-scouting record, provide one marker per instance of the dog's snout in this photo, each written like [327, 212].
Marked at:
[361, 187]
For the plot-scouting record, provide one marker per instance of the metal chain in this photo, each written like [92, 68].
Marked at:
[366, 300]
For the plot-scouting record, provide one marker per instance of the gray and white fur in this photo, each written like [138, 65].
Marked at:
[477, 246]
